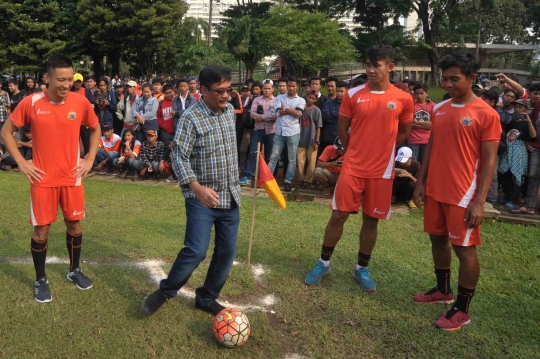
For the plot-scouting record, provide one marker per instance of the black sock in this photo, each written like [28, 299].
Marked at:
[326, 252]
[443, 280]
[363, 259]
[39, 255]
[464, 298]
[74, 244]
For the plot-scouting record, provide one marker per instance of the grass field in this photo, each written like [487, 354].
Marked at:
[129, 222]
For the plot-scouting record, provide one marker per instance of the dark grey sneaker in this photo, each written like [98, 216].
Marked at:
[81, 281]
[213, 307]
[152, 303]
[41, 291]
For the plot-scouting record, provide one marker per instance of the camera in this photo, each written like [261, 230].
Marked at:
[260, 109]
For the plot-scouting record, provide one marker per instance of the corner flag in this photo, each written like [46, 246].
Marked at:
[268, 183]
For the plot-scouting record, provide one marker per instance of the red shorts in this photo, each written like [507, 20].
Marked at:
[373, 194]
[442, 219]
[44, 203]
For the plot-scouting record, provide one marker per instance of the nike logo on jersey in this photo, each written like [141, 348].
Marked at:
[41, 112]
[75, 213]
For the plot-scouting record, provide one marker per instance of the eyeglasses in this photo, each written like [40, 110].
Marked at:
[221, 91]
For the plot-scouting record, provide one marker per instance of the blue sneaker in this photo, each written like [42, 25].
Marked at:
[245, 181]
[362, 276]
[316, 274]
[511, 206]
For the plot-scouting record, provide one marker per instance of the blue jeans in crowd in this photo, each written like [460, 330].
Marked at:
[258, 136]
[292, 145]
[101, 156]
[165, 137]
[133, 164]
[200, 221]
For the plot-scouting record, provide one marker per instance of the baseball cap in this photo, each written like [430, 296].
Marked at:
[192, 78]
[523, 102]
[106, 127]
[337, 144]
[119, 84]
[78, 77]
[268, 81]
[403, 155]
[151, 133]
[132, 83]
[477, 86]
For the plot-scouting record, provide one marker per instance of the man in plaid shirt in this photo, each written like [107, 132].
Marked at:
[151, 155]
[4, 104]
[205, 161]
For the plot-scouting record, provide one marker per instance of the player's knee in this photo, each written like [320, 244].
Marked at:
[439, 241]
[73, 227]
[338, 218]
[40, 234]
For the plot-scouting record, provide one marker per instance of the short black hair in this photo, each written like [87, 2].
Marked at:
[27, 128]
[156, 80]
[283, 79]
[380, 52]
[256, 84]
[356, 82]
[491, 95]
[146, 85]
[332, 78]
[90, 78]
[477, 91]
[183, 79]
[341, 84]
[534, 87]
[104, 79]
[58, 62]
[467, 62]
[14, 82]
[316, 78]
[419, 86]
[167, 87]
[213, 74]
[406, 81]
[293, 79]
[249, 81]
[412, 83]
[513, 91]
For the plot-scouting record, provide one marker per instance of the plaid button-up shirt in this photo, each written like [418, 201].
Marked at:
[204, 150]
[151, 154]
[4, 100]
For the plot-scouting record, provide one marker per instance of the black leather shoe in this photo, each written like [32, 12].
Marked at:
[213, 307]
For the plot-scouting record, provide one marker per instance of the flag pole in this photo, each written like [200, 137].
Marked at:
[253, 207]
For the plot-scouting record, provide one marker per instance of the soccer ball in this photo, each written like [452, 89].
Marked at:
[231, 328]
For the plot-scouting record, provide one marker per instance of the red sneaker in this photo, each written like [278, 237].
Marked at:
[452, 320]
[433, 296]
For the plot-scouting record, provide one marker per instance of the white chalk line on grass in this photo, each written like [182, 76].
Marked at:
[155, 270]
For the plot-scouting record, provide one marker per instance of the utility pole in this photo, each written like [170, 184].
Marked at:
[210, 24]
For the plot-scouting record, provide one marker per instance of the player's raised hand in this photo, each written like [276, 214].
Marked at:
[419, 194]
[474, 214]
[31, 171]
[83, 168]
[207, 196]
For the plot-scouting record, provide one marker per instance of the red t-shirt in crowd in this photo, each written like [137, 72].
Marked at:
[55, 134]
[330, 155]
[165, 116]
[422, 113]
[455, 163]
[375, 118]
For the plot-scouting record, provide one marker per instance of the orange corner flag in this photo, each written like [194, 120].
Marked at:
[268, 182]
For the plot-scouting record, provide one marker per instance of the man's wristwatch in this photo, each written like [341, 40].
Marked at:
[284, 109]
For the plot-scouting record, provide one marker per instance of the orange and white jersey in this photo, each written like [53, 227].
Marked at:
[136, 150]
[55, 134]
[112, 145]
[375, 118]
[455, 163]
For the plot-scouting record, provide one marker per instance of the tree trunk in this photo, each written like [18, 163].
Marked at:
[114, 59]
[97, 66]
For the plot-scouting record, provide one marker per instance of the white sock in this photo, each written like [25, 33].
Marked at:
[358, 267]
[326, 263]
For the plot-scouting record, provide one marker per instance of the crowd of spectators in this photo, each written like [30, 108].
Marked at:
[297, 133]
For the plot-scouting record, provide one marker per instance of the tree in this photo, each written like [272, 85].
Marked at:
[305, 41]
[33, 30]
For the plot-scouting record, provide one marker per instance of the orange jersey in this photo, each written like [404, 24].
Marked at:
[136, 150]
[55, 134]
[375, 118]
[455, 162]
[113, 145]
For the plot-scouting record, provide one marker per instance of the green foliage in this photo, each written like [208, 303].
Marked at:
[310, 41]
[33, 30]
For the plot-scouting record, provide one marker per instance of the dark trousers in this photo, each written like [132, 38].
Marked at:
[85, 138]
[512, 190]
[200, 221]
[259, 136]
[403, 191]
